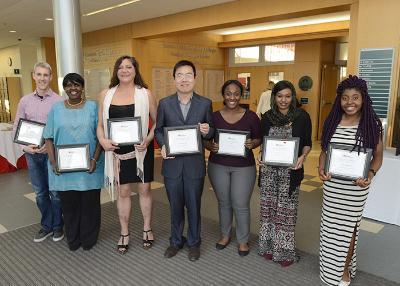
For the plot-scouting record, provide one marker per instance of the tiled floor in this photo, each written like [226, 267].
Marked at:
[378, 249]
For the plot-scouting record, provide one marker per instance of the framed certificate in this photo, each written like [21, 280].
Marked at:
[182, 140]
[125, 131]
[278, 151]
[231, 142]
[343, 162]
[29, 132]
[72, 158]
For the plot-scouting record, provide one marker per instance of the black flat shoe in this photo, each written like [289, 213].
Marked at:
[220, 246]
[243, 253]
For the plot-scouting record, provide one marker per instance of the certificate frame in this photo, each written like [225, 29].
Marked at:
[84, 167]
[367, 161]
[196, 150]
[18, 135]
[111, 121]
[233, 132]
[285, 163]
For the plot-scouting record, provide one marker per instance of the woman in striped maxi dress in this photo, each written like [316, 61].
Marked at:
[352, 121]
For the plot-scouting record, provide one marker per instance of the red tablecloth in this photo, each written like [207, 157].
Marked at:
[6, 167]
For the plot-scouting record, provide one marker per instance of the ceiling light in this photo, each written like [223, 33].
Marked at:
[12, 31]
[110, 8]
[295, 22]
[49, 19]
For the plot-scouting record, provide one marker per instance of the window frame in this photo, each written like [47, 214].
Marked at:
[261, 57]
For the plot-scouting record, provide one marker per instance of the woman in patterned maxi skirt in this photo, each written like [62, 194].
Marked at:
[353, 122]
[279, 186]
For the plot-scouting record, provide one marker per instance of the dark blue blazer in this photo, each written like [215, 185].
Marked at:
[169, 114]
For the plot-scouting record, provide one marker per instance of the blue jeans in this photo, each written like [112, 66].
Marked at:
[47, 201]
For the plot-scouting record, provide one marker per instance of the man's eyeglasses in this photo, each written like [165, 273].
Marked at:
[187, 76]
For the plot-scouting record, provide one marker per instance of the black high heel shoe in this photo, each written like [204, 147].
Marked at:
[123, 248]
[147, 243]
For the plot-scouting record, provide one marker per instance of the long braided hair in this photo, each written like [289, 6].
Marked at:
[369, 129]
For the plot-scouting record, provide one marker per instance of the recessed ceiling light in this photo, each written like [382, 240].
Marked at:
[12, 31]
[110, 8]
[49, 19]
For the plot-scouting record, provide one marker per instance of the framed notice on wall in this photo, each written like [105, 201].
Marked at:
[213, 81]
[375, 67]
[95, 81]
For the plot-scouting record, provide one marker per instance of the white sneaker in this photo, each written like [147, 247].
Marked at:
[42, 235]
[58, 235]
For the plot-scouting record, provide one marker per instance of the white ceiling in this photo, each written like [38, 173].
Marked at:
[27, 17]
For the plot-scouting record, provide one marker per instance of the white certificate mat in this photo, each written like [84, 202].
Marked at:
[124, 131]
[346, 163]
[279, 151]
[231, 144]
[72, 158]
[183, 141]
[30, 133]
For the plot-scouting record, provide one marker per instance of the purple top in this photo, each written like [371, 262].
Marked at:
[34, 108]
[248, 122]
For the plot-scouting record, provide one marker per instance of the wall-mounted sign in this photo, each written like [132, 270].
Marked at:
[304, 100]
[193, 52]
[376, 68]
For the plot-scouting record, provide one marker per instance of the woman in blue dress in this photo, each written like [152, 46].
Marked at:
[74, 121]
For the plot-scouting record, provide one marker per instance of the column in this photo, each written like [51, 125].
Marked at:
[68, 38]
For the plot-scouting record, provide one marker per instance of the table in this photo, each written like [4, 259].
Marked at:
[11, 155]
[383, 203]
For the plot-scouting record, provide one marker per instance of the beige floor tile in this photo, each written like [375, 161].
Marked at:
[31, 196]
[104, 197]
[156, 185]
[371, 226]
[307, 188]
[2, 229]
[316, 179]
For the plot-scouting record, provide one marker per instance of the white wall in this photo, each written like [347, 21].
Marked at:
[23, 57]
[12, 52]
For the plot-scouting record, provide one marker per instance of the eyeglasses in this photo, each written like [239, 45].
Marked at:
[187, 76]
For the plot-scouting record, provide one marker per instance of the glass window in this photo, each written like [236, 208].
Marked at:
[244, 79]
[279, 53]
[275, 77]
[247, 55]
[343, 73]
